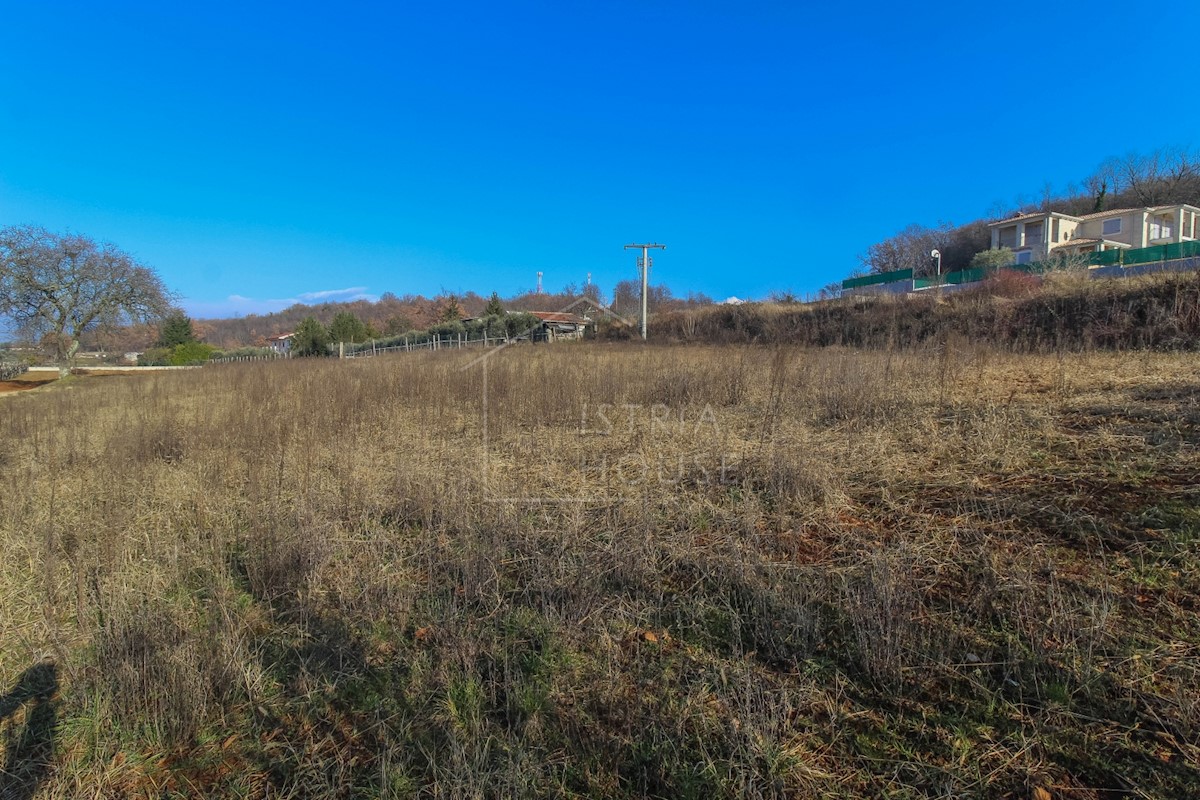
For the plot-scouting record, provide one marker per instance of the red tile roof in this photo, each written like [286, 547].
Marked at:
[1110, 212]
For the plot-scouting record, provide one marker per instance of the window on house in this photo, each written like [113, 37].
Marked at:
[1161, 228]
[1033, 234]
[1112, 226]
[1054, 231]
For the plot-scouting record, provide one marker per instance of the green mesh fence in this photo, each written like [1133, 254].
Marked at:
[966, 276]
[1161, 252]
[1103, 258]
[1183, 250]
[1145, 255]
[883, 277]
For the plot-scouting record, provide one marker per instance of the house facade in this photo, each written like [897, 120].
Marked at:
[281, 344]
[1034, 237]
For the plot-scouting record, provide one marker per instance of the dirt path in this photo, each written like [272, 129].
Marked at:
[27, 381]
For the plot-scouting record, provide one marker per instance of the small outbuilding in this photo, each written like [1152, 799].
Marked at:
[559, 325]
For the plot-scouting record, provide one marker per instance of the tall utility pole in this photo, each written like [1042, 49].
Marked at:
[539, 289]
[644, 263]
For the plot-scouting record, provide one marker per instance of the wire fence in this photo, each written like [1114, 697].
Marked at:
[457, 341]
[247, 358]
[370, 349]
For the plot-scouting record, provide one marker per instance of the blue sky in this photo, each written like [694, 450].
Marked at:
[259, 156]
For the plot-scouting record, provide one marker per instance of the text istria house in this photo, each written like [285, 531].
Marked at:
[1033, 237]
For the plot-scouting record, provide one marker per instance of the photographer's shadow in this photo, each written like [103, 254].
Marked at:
[28, 745]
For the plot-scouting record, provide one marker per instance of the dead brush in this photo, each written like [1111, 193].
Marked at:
[278, 561]
[150, 668]
[885, 613]
[355, 578]
[829, 389]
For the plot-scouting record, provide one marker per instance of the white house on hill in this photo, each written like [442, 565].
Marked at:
[1033, 237]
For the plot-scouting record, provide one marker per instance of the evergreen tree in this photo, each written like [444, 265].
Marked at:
[451, 311]
[311, 339]
[494, 307]
[176, 329]
[993, 259]
[346, 327]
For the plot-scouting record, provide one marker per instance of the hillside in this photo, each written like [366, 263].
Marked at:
[1016, 312]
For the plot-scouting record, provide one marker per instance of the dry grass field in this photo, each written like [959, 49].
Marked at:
[607, 571]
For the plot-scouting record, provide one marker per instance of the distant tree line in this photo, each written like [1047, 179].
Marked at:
[1164, 177]
[393, 315]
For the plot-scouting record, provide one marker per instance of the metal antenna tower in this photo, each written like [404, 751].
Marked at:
[539, 289]
[644, 264]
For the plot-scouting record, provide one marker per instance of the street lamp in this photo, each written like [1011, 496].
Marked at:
[938, 255]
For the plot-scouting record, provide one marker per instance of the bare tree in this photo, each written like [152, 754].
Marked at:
[627, 297]
[1164, 176]
[908, 249]
[59, 287]
[1179, 175]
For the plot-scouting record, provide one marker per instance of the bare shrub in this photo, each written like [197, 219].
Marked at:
[155, 440]
[151, 666]
[829, 388]
[279, 561]
[1011, 283]
[887, 617]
